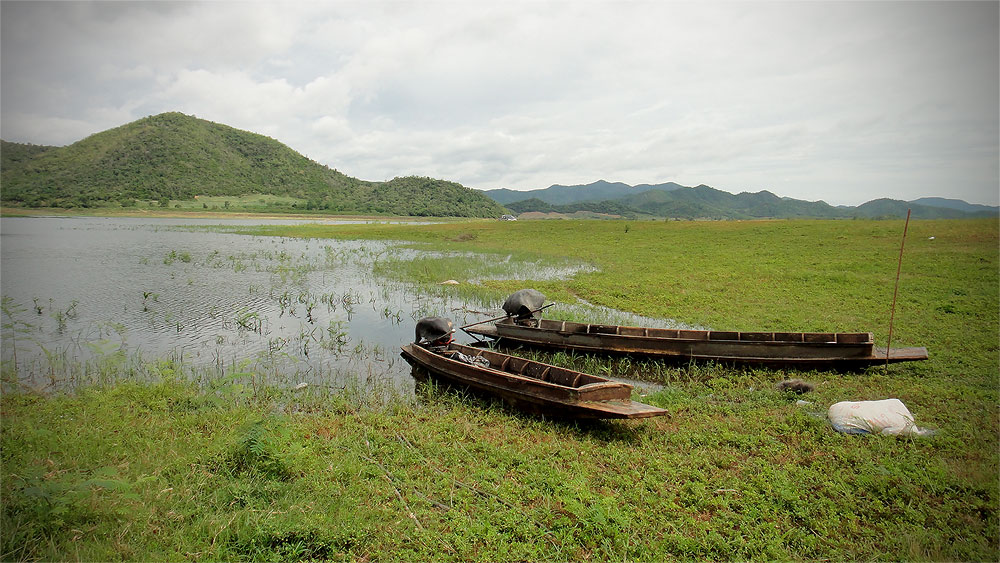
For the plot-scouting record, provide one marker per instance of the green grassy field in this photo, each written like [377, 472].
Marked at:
[737, 471]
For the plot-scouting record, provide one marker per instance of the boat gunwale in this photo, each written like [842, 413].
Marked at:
[570, 401]
[832, 339]
[837, 361]
[601, 384]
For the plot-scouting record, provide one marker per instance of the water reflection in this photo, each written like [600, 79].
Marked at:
[308, 310]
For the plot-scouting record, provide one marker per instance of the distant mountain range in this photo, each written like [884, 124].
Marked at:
[703, 202]
[955, 204]
[560, 195]
[172, 156]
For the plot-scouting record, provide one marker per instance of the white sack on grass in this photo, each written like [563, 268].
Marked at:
[889, 416]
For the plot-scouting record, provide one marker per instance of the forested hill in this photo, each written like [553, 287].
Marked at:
[173, 156]
[14, 154]
[600, 190]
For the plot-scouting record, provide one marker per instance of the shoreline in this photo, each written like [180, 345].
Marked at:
[58, 212]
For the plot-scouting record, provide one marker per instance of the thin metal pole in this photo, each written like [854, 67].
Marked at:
[899, 267]
[502, 317]
[462, 328]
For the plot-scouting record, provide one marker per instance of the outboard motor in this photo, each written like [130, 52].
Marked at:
[524, 304]
[436, 331]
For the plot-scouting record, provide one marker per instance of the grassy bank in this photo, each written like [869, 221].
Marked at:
[162, 472]
[737, 471]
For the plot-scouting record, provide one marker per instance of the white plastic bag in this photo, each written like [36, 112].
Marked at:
[889, 416]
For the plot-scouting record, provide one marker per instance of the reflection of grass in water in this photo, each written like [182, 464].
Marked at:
[99, 354]
[112, 363]
[394, 266]
[387, 262]
[173, 256]
[249, 320]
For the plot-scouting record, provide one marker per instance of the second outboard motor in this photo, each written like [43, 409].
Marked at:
[436, 331]
[524, 304]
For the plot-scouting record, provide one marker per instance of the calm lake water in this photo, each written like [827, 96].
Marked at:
[298, 310]
[80, 288]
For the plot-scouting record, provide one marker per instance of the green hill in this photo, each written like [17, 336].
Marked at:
[15, 154]
[173, 156]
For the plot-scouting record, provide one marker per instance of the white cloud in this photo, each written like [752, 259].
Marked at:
[837, 101]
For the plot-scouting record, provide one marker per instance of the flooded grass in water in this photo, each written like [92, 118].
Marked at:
[278, 305]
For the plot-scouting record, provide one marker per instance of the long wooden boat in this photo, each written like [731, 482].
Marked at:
[529, 385]
[801, 350]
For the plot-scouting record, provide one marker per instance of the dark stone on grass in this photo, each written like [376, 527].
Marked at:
[795, 385]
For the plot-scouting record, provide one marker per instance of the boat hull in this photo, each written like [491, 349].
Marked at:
[532, 386]
[802, 350]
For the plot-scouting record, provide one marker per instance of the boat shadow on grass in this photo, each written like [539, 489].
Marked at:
[432, 390]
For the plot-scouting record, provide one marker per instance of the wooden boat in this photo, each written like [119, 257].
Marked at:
[801, 350]
[529, 385]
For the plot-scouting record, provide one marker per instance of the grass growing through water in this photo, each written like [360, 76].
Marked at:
[738, 471]
[756, 275]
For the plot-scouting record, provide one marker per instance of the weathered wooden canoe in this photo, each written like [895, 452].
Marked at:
[802, 350]
[529, 385]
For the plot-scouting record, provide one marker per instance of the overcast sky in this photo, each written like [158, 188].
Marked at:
[844, 102]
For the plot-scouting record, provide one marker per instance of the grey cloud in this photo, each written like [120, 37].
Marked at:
[838, 101]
